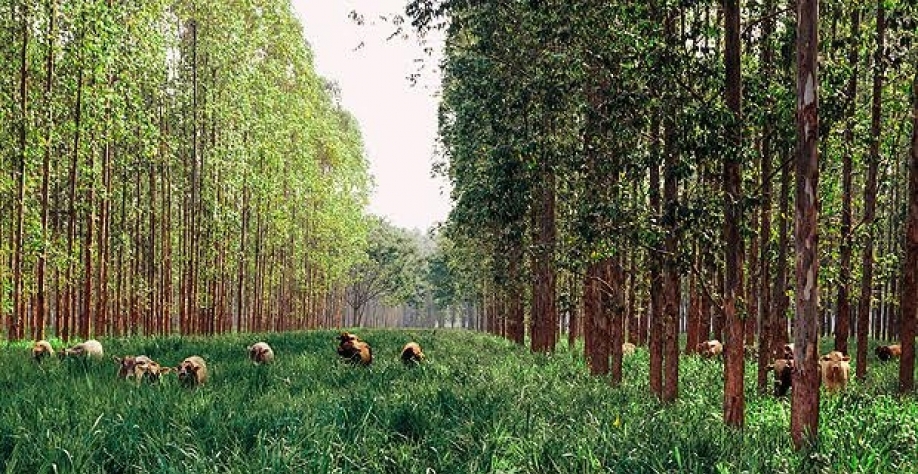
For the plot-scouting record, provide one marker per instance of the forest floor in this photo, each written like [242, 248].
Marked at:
[478, 405]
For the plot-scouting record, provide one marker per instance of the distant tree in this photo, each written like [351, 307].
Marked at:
[389, 271]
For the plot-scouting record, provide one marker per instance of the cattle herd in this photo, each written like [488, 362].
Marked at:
[192, 371]
[834, 367]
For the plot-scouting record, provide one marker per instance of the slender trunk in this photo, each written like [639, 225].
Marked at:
[15, 328]
[671, 287]
[843, 317]
[38, 331]
[766, 316]
[734, 399]
[910, 269]
[656, 273]
[544, 312]
[805, 403]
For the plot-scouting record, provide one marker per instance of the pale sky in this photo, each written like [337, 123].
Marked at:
[398, 120]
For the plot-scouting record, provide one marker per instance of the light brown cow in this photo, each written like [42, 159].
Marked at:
[354, 350]
[628, 349]
[140, 368]
[886, 353]
[710, 349]
[88, 349]
[41, 349]
[261, 353]
[834, 368]
[192, 372]
[411, 354]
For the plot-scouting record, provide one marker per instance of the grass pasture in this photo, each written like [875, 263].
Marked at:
[479, 405]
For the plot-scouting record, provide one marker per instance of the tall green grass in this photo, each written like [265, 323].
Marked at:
[478, 405]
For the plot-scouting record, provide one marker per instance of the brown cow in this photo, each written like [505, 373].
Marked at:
[140, 368]
[834, 367]
[192, 372]
[709, 349]
[89, 349]
[41, 349]
[411, 354]
[261, 353]
[784, 371]
[628, 349]
[354, 350]
[886, 353]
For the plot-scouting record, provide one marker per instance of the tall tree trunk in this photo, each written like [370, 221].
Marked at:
[14, 331]
[516, 328]
[766, 315]
[910, 269]
[38, 331]
[671, 287]
[595, 336]
[544, 312]
[843, 317]
[656, 273]
[734, 399]
[805, 403]
[870, 199]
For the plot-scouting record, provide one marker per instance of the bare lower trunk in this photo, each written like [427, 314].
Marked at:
[805, 403]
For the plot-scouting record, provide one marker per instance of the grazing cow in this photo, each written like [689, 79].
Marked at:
[140, 368]
[150, 371]
[628, 349]
[709, 349]
[192, 372]
[886, 353]
[784, 371]
[834, 367]
[41, 349]
[411, 354]
[261, 353]
[354, 350]
[86, 349]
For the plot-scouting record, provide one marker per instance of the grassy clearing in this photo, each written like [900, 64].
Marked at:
[479, 405]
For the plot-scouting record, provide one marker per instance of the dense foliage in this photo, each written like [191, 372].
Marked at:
[171, 166]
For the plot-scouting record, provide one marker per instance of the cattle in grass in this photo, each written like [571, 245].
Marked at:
[783, 372]
[261, 353]
[91, 349]
[710, 349]
[886, 353]
[834, 368]
[41, 350]
[411, 354]
[351, 348]
[140, 368]
[192, 372]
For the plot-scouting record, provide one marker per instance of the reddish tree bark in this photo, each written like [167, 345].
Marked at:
[843, 316]
[910, 269]
[870, 199]
[734, 398]
[805, 403]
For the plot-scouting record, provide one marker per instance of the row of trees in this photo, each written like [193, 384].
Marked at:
[614, 169]
[171, 166]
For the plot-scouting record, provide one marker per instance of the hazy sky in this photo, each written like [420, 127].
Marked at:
[398, 120]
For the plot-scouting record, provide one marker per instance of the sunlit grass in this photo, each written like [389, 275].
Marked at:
[479, 404]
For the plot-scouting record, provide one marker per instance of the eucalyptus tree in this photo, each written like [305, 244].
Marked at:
[805, 403]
